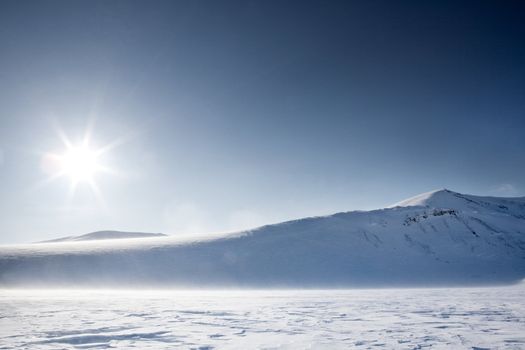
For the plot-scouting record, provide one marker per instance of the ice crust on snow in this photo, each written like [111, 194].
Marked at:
[471, 318]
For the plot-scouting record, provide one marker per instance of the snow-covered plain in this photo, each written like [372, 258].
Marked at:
[473, 318]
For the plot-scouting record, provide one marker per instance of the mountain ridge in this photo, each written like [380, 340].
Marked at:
[446, 197]
[437, 238]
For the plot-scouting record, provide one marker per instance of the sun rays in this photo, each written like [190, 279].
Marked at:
[80, 161]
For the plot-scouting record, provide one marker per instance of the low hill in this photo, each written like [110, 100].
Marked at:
[101, 235]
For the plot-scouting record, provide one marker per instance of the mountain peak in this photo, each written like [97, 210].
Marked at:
[443, 198]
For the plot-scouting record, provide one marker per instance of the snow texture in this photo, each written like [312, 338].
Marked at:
[476, 318]
[435, 239]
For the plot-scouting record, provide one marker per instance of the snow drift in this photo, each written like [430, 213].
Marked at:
[437, 238]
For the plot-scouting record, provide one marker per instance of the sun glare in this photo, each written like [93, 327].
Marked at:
[80, 164]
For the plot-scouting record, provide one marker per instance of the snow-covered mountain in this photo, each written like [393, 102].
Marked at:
[437, 238]
[99, 235]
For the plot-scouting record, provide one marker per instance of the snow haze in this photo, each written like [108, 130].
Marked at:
[440, 238]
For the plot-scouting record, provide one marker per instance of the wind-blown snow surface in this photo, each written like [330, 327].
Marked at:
[439, 238]
[477, 318]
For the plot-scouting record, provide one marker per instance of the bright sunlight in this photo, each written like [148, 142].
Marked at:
[80, 164]
[79, 161]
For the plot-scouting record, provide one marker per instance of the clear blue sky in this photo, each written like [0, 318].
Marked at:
[235, 114]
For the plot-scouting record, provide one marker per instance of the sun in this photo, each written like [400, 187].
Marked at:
[80, 164]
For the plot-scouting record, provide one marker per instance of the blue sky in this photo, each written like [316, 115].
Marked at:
[230, 115]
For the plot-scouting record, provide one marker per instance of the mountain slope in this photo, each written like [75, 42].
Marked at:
[439, 238]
